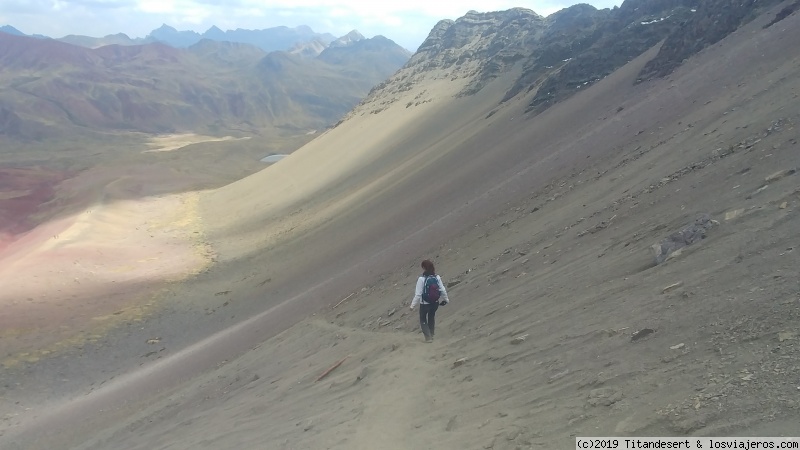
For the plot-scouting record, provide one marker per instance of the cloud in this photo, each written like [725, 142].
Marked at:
[24, 7]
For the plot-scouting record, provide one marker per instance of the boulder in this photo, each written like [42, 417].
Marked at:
[690, 234]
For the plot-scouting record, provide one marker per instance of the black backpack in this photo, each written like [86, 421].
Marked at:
[430, 290]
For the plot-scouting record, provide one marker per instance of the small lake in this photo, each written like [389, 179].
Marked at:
[272, 159]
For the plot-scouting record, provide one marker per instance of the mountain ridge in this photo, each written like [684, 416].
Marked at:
[569, 50]
[153, 88]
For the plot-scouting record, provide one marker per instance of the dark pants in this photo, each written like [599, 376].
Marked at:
[427, 319]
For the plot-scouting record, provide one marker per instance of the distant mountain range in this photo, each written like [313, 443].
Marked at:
[54, 88]
[268, 40]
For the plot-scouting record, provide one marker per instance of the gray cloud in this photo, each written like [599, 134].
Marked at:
[101, 4]
[12, 7]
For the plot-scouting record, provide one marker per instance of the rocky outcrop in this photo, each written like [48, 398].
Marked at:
[568, 51]
[479, 45]
[609, 41]
[711, 21]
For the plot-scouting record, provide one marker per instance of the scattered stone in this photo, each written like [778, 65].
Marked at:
[255, 378]
[309, 426]
[786, 336]
[747, 377]
[671, 287]
[451, 424]
[513, 435]
[604, 397]
[600, 226]
[780, 174]
[362, 375]
[455, 282]
[678, 347]
[758, 191]
[689, 235]
[154, 340]
[490, 445]
[392, 312]
[783, 205]
[644, 332]
[558, 376]
[519, 339]
[730, 215]
[460, 362]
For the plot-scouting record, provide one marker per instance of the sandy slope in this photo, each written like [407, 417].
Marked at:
[543, 226]
[92, 270]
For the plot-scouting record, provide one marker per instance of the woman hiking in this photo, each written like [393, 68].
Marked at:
[429, 294]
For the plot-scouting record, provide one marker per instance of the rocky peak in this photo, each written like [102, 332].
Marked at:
[478, 28]
[214, 33]
[347, 39]
[8, 29]
[477, 36]
[434, 38]
[574, 17]
[164, 28]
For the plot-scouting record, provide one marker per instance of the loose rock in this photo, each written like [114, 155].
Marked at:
[780, 174]
[730, 215]
[689, 235]
[519, 339]
[671, 287]
[604, 397]
[644, 332]
[451, 424]
[786, 336]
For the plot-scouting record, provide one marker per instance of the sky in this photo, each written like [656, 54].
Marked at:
[407, 22]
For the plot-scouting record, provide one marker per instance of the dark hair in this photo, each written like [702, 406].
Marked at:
[427, 266]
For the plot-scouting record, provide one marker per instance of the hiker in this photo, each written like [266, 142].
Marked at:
[429, 294]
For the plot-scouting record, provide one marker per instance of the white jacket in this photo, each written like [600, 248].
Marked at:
[418, 292]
